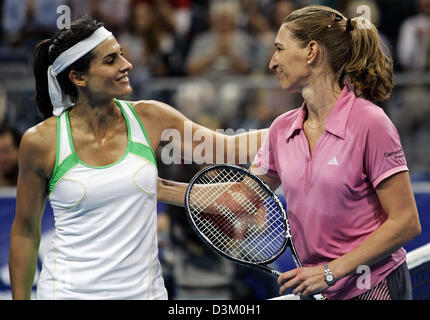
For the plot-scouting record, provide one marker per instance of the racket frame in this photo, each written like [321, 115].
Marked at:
[260, 265]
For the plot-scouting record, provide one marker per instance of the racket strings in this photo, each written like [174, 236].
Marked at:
[247, 206]
[259, 240]
[206, 197]
[254, 251]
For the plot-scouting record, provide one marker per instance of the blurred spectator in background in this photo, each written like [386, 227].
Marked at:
[335, 4]
[224, 49]
[261, 19]
[414, 39]
[263, 106]
[114, 13]
[10, 139]
[80, 8]
[281, 9]
[254, 22]
[414, 56]
[149, 44]
[152, 45]
[175, 13]
[25, 22]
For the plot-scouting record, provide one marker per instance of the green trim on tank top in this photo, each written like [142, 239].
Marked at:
[138, 148]
[139, 121]
[72, 160]
[72, 147]
[51, 182]
[60, 169]
[68, 163]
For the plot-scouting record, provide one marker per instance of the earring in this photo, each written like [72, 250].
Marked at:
[309, 61]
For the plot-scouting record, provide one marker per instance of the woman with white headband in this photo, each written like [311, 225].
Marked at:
[94, 160]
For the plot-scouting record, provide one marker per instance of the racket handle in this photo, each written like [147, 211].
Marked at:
[276, 273]
[318, 296]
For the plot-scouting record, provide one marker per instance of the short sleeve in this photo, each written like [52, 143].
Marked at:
[265, 158]
[383, 156]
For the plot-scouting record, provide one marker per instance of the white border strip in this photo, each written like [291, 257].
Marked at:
[418, 256]
[7, 192]
[421, 187]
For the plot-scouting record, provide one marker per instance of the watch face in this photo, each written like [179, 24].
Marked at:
[329, 278]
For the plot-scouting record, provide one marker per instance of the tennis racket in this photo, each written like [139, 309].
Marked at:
[237, 215]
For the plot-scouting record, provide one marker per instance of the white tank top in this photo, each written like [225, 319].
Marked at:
[105, 243]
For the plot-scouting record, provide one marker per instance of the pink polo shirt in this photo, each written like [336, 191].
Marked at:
[331, 200]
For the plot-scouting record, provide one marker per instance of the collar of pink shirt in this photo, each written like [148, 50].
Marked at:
[338, 117]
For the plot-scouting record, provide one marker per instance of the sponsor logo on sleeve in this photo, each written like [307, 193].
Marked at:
[398, 154]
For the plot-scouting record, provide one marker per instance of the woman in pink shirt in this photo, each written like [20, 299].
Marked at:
[340, 161]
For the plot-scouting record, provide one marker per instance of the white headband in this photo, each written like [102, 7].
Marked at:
[59, 100]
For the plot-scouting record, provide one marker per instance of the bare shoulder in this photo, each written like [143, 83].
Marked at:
[157, 111]
[38, 144]
[41, 135]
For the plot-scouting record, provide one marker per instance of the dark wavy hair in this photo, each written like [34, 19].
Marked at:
[49, 49]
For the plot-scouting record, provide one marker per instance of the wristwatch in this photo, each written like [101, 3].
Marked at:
[328, 275]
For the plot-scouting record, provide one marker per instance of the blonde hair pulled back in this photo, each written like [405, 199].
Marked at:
[355, 50]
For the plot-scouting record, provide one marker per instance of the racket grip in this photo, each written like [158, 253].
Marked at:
[276, 273]
[317, 296]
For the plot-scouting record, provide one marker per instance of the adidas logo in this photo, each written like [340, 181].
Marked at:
[333, 162]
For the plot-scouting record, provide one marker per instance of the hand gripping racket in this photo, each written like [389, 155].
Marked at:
[237, 215]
